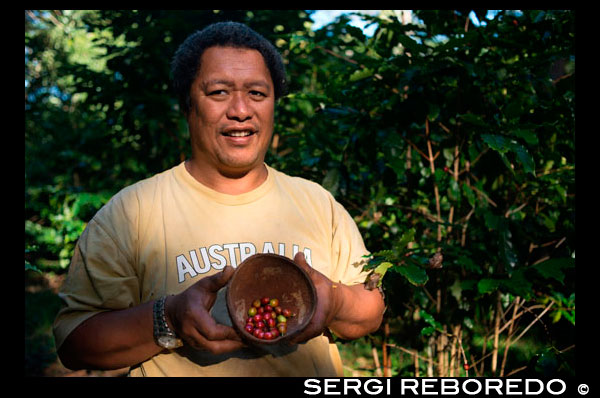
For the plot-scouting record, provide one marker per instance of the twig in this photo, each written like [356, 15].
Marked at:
[430, 357]
[416, 148]
[483, 355]
[453, 352]
[462, 351]
[455, 176]
[516, 371]
[446, 129]
[387, 372]
[510, 333]
[561, 78]
[509, 212]
[328, 51]
[411, 352]
[429, 295]
[487, 198]
[416, 364]
[567, 349]
[435, 187]
[534, 321]
[496, 331]
[463, 236]
[376, 360]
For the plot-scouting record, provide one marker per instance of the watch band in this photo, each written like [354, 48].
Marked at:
[163, 335]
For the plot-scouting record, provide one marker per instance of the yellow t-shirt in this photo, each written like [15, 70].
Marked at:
[164, 233]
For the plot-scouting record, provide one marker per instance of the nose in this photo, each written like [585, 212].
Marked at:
[239, 107]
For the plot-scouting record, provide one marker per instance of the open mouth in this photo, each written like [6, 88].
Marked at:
[244, 133]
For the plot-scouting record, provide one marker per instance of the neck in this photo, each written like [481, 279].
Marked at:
[227, 182]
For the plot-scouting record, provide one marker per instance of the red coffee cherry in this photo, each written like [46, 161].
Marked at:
[267, 320]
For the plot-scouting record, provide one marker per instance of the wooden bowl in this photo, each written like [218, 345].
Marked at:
[273, 276]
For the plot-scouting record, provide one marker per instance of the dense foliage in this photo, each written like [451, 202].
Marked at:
[451, 143]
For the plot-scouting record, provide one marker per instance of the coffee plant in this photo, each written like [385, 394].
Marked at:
[451, 143]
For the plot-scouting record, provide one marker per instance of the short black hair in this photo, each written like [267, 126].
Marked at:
[186, 61]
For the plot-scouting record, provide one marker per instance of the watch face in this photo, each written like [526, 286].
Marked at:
[167, 342]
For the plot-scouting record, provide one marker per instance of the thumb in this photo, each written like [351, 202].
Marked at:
[300, 260]
[217, 281]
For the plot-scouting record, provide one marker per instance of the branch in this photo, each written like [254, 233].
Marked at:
[417, 149]
[534, 321]
[328, 51]
[487, 198]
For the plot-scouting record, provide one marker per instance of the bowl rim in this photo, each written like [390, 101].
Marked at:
[301, 327]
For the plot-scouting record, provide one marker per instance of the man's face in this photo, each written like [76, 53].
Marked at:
[232, 107]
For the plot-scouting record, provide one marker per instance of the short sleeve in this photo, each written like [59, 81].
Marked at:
[102, 274]
[349, 253]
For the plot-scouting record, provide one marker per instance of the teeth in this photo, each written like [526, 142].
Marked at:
[239, 133]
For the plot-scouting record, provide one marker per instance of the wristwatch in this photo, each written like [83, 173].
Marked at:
[163, 335]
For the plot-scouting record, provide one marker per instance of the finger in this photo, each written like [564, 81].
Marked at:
[200, 342]
[215, 282]
[214, 331]
[314, 328]
[300, 260]
[223, 346]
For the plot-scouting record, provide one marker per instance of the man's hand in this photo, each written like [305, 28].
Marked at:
[188, 314]
[328, 302]
[349, 311]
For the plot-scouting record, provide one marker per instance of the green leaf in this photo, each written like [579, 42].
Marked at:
[414, 274]
[487, 285]
[524, 157]
[518, 284]
[406, 238]
[469, 265]
[31, 267]
[410, 45]
[427, 317]
[529, 136]
[381, 270]
[469, 194]
[503, 145]
[492, 221]
[456, 290]
[474, 119]
[507, 253]
[361, 74]
[570, 316]
[554, 267]
[427, 331]
[497, 142]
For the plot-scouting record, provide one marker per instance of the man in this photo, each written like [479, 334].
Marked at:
[145, 285]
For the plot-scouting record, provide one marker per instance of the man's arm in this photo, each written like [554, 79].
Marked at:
[348, 311]
[111, 340]
[122, 338]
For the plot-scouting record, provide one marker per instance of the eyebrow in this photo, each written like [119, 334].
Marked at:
[230, 83]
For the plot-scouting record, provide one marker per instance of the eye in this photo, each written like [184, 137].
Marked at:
[258, 94]
[217, 92]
